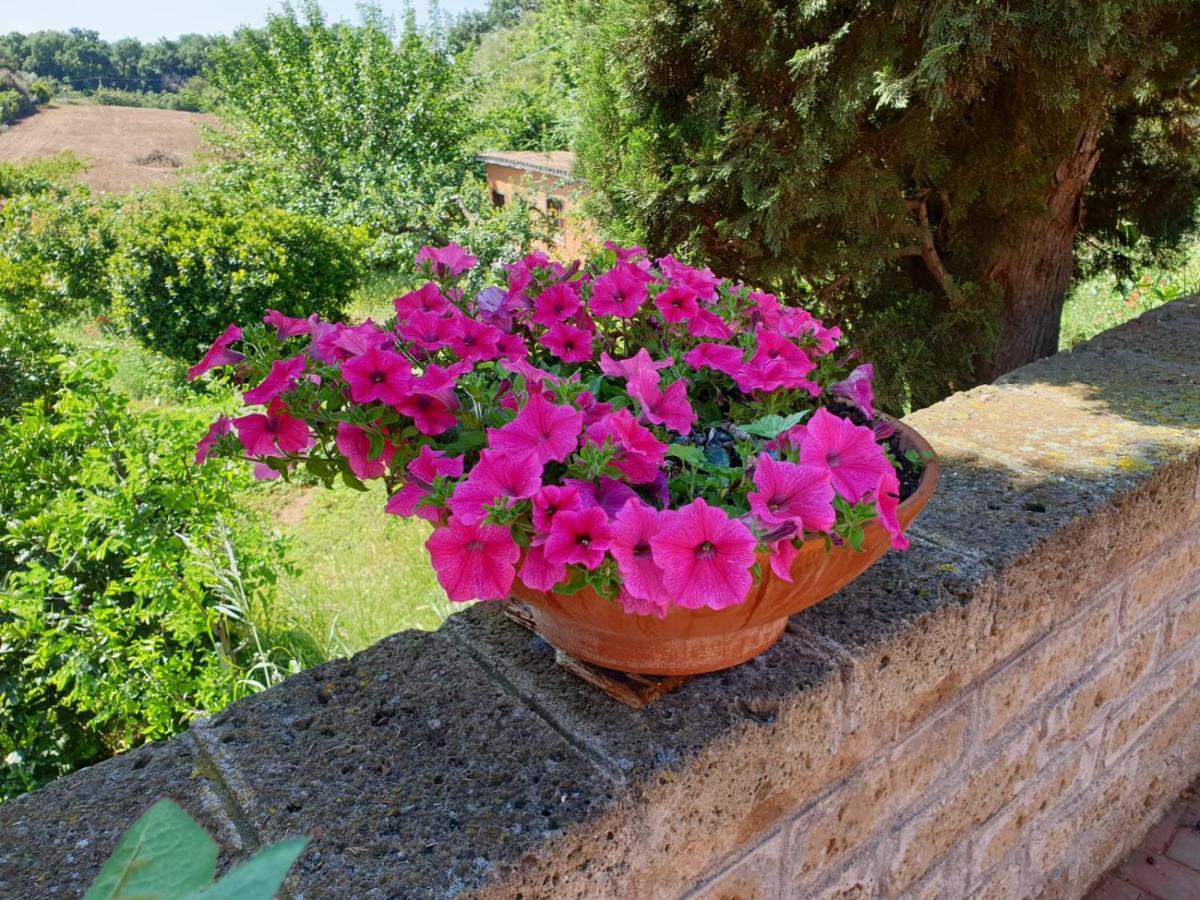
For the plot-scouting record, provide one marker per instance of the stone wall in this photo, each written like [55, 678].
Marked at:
[1000, 712]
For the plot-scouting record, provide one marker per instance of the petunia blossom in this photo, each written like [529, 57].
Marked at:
[847, 451]
[431, 401]
[640, 453]
[887, 500]
[539, 573]
[677, 304]
[355, 444]
[707, 324]
[782, 553]
[218, 354]
[787, 492]
[568, 343]
[550, 500]
[474, 561]
[445, 262]
[216, 431]
[495, 478]
[639, 365]
[429, 331]
[274, 433]
[287, 326]
[284, 373]
[427, 299]
[542, 430]
[555, 304]
[579, 537]
[423, 471]
[609, 494]
[377, 375]
[719, 357]
[670, 407]
[620, 292]
[634, 526]
[705, 556]
[475, 341]
[856, 388]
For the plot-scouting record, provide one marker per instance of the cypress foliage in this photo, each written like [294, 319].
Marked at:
[923, 167]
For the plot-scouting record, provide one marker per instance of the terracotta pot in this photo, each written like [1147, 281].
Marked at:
[693, 641]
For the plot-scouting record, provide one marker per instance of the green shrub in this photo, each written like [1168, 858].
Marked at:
[41, 92]
[10, 105]
[189, 263]
[125, 578]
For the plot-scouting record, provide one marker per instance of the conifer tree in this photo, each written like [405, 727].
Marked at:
[926, 168]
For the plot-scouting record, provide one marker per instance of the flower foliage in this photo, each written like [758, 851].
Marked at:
[634, 426]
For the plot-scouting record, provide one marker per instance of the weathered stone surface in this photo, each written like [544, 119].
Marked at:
[421, 776]
[53, 842]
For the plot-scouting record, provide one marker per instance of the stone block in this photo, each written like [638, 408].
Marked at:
[1084, 707]
[53, 842]
[989, 785]
[1014, 693]
[1170, 575]
[1183, 629]
[756, 876]
[879, 794]
[1141, 707]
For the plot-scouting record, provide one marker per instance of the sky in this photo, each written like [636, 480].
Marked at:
[152, 19]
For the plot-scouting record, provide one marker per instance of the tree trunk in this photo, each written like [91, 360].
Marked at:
[1034, 268]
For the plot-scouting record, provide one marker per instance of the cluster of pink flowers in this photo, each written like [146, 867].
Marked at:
[636, 426]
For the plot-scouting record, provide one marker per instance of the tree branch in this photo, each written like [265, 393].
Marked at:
[927, 249]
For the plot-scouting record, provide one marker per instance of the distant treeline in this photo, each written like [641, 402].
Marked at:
[80, 59]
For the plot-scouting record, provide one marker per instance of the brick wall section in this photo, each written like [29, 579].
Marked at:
[1001, 712]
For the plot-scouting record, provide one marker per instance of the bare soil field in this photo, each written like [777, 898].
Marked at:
[124, 147]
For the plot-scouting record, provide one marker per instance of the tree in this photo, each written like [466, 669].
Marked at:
[922, 168]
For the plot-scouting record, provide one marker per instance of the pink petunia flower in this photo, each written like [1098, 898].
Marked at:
[677, 304]
[887, 500]
[621, 291]
[705, 556]
[218, 354]
[550, 500]
[283, 374]
[637, 366]
[857, 389]
[353, 340]
[609, 494]
[429, 331]
[431, 401]
[635, 525]
[624, 254]
[542, 430]
[275, 433]
[475, 341]
[719, 357]
[848, 451]
[794, 322]
[708, 324]
[216, 431]
[783, 553]
[702, 282]
[555, 304]
[428, 299]
[787, 492]
[539, 573]
[636, 606]
[640, 454]
[355, 444]
[474, 561]
[377, 375]
[579, 537]
[287, 326]
[511, 347]
[766, 308]
[446, 262]
[496, 477]
[568, 343]
[423, 471]
[670, 407]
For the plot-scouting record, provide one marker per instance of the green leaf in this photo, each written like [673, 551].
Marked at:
[772, 426]
[259, 877]
[689, 454]
[165, 855]
[351, 482]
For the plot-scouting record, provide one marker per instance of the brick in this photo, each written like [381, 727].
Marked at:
[1068, 839]
[755, 876]
[1083, 708]
[1012, 693]
[1170, 574]
[857, 879]
[1185, 847]
[1162, 877]
[1006, 883]
[1139, 710]
[990, 785]
[1011, 827]
[879, 794]
[945, 881]
[1184, 624]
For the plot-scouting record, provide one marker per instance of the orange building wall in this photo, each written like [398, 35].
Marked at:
[576, 239]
